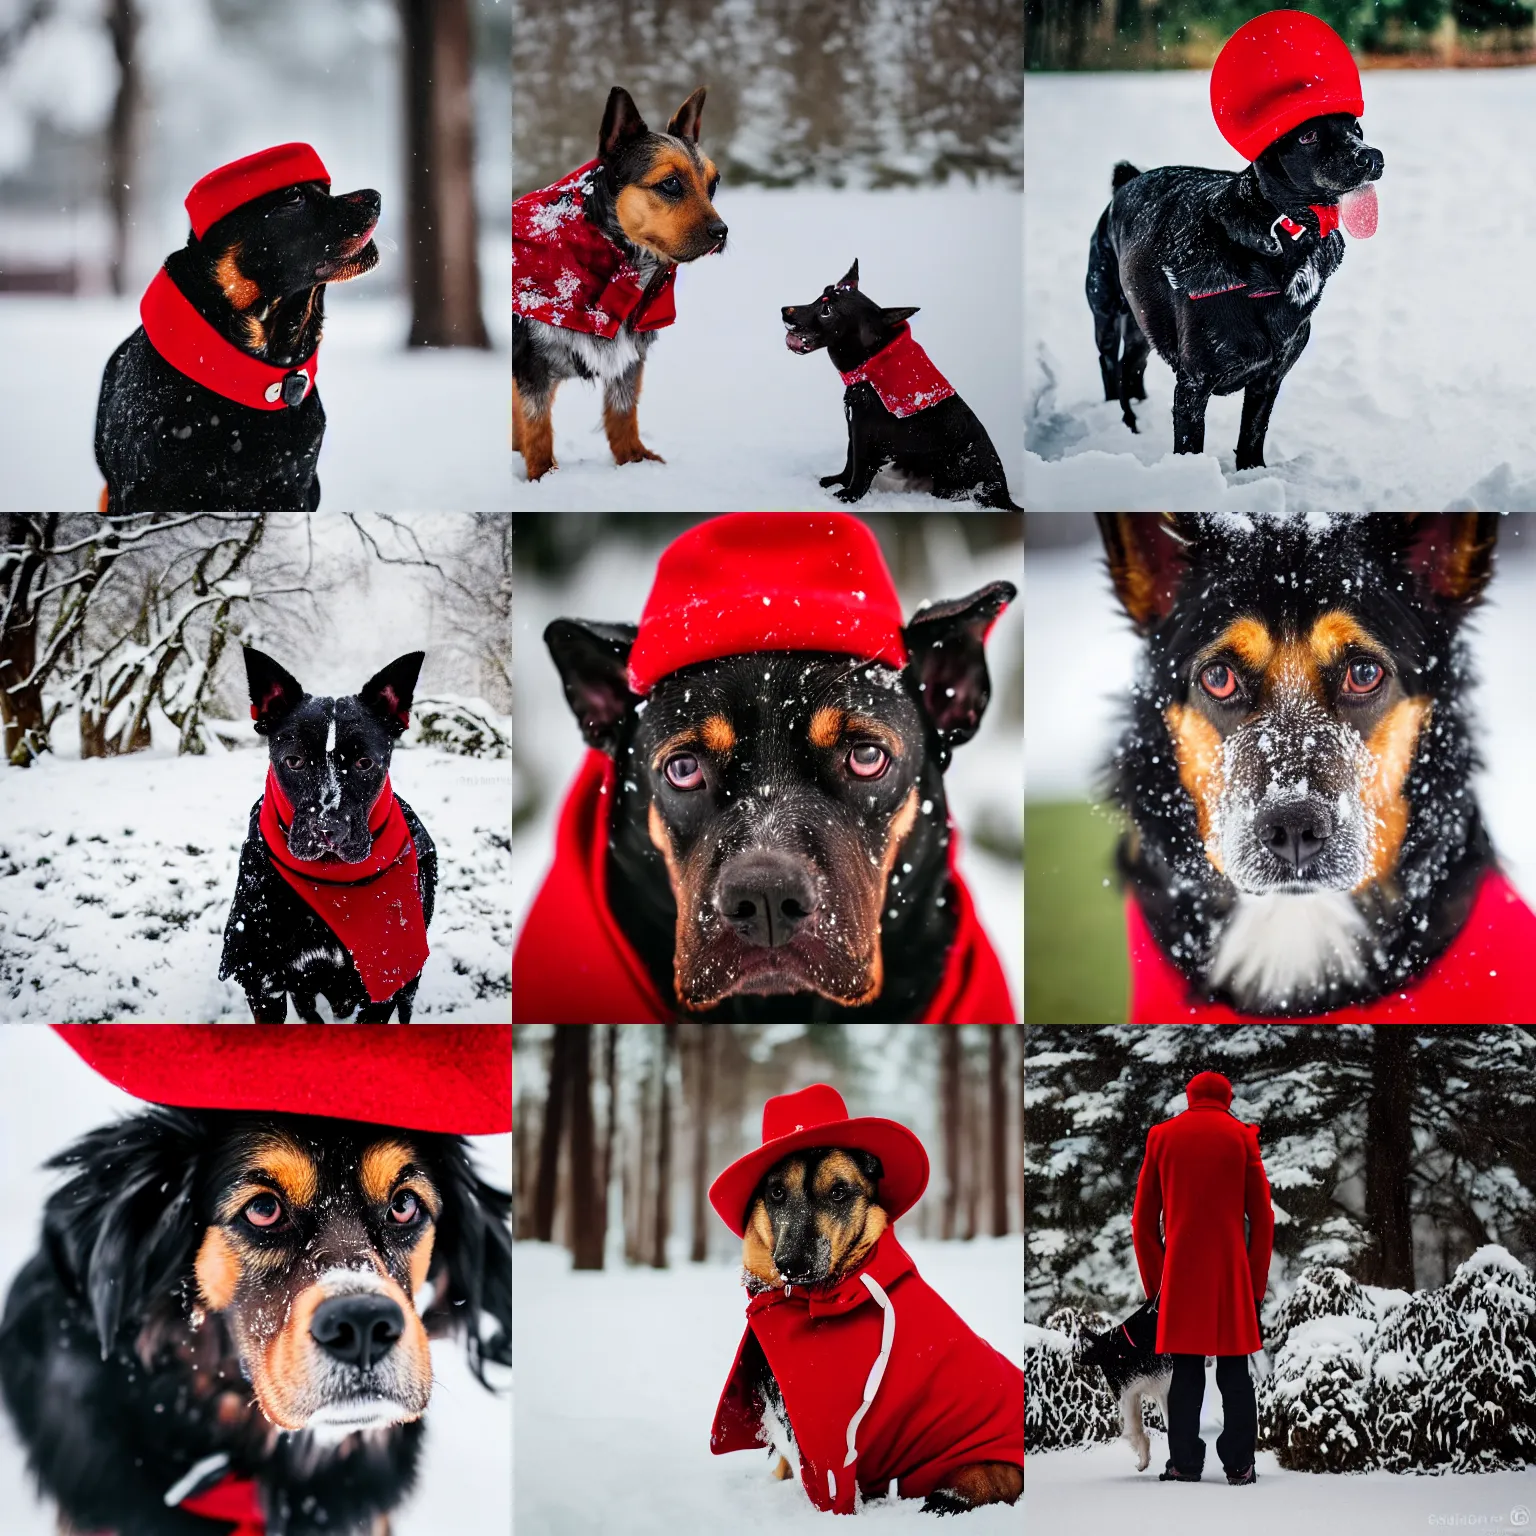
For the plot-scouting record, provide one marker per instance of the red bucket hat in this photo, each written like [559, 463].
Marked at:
[768, 581]
[451, 1078]
[1277, 71]
[817, 1117]
[223, 190]
[1209, 1088]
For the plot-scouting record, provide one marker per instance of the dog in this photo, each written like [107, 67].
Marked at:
[594, 260]
[338, 876]
[1134, 1371]
[1221, 271]
[901, 410]
[171, 435]
[1297, 770]
[224, 1296]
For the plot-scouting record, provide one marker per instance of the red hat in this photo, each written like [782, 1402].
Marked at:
[817, 1117]
[768, 581]
[224, 190]
[1210, 1088]
[1277, 71]
[453, 1078]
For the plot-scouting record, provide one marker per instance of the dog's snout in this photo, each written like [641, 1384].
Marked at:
[766, 897]
[1372, 159]
[1295, 832]
[367, 200]
[718, 230]
[357, 1330]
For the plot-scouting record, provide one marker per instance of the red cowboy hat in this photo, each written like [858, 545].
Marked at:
[817, 1117]
[453, 1078]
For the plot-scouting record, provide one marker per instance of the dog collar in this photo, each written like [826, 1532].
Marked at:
[1327, 215]
[193, 347]
[903, 376]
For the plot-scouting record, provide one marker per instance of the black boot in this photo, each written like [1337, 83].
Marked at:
[1171, 1474]
[1243, 1478]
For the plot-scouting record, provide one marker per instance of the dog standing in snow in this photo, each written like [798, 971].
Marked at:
[1134, 1372]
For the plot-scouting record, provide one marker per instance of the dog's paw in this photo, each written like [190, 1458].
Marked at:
[782, 1469]
[946, 1501]
[849, 494]
[637, 455]
[828, 481]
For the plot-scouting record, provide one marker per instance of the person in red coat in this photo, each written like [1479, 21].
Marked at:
[1201, 1177]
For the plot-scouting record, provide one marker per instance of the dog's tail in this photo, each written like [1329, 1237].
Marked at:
[1124, 172]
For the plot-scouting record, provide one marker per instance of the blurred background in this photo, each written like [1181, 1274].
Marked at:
[111, 109]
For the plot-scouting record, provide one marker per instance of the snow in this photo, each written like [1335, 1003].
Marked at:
[619, 1372]
[745, 423]
[1408, 395]
[464, 1486]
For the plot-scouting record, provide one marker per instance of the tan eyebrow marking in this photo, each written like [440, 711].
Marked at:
[381, 1166]
[826, 726]
[719, 734]
[674, 743]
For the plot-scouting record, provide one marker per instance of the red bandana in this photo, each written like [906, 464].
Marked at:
[234, 1498]
[191, 346]
[1487, 976]
[903, 376]
[374, 906]
[881, 1379]
[1327, 221]
[568, 273]
[573, 965]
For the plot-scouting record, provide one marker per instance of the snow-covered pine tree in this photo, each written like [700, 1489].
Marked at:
[1064, 1404]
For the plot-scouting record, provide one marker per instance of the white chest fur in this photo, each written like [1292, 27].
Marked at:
[1282, 949]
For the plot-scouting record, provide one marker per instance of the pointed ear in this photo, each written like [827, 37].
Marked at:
[850, 279]
[593, 662]
[1148, 553]
[1449, 554]
[389, 691]
[896, 316]
[622, 123]
[275, 693]
[946, 647]
[685, 121]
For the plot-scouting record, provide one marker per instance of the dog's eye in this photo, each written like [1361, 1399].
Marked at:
[776, 1193]
[683, 771]
[264, 1211]
[867, 761]
[363, 764]
[1219, 681]
[838, 1193]
[714, 182]
[1364, 677]
[294, 760]
[404, 1208]
[670, 185]
[1309, 137]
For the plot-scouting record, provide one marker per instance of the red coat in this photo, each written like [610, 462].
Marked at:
[1201, 1175]
[881, 1380]
[1486, 976]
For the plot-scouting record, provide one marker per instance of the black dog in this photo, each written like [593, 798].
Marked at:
[941, 444]
[234, 1297]
[330, 757]
[164, 441]
[1133, 1370]
[1220, 271]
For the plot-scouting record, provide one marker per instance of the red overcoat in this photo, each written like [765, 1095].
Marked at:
[881, 1381]
[1201, 1175]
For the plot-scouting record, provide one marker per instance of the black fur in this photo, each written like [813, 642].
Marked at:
[1128, 1351]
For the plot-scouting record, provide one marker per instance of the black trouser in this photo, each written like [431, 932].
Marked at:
[1234, 1446]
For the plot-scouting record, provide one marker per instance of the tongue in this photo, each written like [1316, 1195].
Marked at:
[1357, 211]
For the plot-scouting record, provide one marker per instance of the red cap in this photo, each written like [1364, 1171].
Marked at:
[1209, 1088]
[817, 1117]
[1277, 71]
[451, 1078]
[224, 190]
[768, 581]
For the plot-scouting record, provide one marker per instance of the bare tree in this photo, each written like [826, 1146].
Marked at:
[549, 1142]
[997, 1120]
[606, 1176]
[975, 1158]
[703, 1110]
[586, 1229]
[949, 1112]
[123, 28]
[664, 1151]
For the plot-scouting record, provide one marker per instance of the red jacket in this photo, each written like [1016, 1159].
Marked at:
[573, 965]
[1486, 976]
[1201, 1175]
[881, 1380]
[903, 375]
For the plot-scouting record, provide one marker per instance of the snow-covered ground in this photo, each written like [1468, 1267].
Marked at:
[1409, 394]
[52, 1097]
[619, 1372]
[742, 421]
[1071, 711]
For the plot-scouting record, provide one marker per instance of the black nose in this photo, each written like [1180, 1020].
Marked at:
[718, 229]
[1295, 833]
[765, 897]
[788, 312]
[1374, 161]
[357, 1330]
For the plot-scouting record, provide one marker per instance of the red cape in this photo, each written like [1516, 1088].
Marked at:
[568, 273]
[903, 376]
[573, 965]
[374, 906]
[881, 1379]
[1201, 1175]
[1486, 976]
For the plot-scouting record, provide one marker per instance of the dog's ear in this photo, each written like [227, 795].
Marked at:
[896, 316]
[868, 1164]
[1448, 554]
[472, 1262]
[685, 121]
[947, 658]
[622, 124]
[275, 693]
[850, 278]
[593, 662]
[389, 691]
[1148, 553]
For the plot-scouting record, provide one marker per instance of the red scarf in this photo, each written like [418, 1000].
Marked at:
[568, 273]
[903, 376]
[373, 906]
[1327, 216]
[231, 1498]
[881, 1379]
[573, 965]
[191, 346]
[1486, 976]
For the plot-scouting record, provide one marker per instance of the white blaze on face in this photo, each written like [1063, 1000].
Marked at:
[330, 785]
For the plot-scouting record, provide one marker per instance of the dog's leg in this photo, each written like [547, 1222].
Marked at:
[1135, 1430]
[841, 477]
[1106, 298]
[1189, 402]
[782, 1469]
[268, 1010]
[621, 405]
[533, 428]
[862, 464]
[1133, 366]
[1259, 400]
[983, 1482]
[307, 1006]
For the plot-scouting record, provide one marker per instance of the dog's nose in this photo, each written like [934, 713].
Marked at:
[718, 229]
[1295, 833]
[765, 897]
[788, 314]
[1374, 161]
[357, 1330]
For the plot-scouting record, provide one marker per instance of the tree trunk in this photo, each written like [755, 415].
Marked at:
[636, 1238]
[123, 28]
[664, 1151]
[703, 1109]
[25, 544]
[605, 1178]
[442, 262]
[523, 1170]
[976, 1159]
[1388, 1160]
[586, 1230]
[949, 1109]
[997, 1120]
[549, 1142]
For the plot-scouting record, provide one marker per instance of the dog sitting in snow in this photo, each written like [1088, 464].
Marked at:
[1134, 1371]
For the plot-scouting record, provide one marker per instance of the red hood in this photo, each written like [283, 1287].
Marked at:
[573, 965]
[1486, 976]
[903, 376]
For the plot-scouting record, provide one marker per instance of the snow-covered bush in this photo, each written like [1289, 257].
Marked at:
[1314, 1410]
[468, 727]
[1063, 1403]
[1324, 1290]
